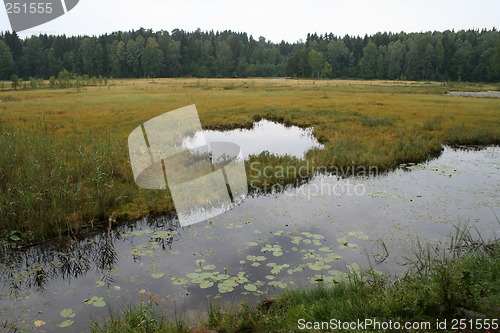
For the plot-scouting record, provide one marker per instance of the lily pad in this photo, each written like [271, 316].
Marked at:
[348, 245]
[314, 267]
[96, 301]
[250, 287]
[157, 275]
[256, 258]
[179, 281]
[67, 313]
[66, 323]
[224, 288]
[206, 284]
[209, 267]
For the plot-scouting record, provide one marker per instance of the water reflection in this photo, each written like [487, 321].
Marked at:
[264, 136]
[265, 244]
[34, 267]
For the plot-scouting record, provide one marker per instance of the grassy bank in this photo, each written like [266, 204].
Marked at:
[64, 161]
[460, 283]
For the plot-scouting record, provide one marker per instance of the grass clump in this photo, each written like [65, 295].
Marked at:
[144, 318]
[48, 185]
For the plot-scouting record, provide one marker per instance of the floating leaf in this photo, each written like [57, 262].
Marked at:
[277, 284]
[100, 283]
[100, 303]
[157, 275]
[250, 287]
[325, 249]
[96, 301]
[39, 323]
[67, 313]
[317, 236]
[221, 276]
[206, 284]
[209, 267]
[252, 243]
[348, 245]
[270, 277]
[66, 323]
[140, 250]
[224, 288]
[179, 281]
[231, 283]
[256, 258]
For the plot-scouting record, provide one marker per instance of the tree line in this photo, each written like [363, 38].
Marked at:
[467, 55]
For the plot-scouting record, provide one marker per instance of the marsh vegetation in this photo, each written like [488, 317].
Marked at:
[65, 165]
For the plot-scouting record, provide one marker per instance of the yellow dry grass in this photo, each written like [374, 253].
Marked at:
[362, 123]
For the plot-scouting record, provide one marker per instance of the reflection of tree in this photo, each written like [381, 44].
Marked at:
[34, 267]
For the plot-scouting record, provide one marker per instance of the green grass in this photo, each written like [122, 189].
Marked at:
[461, 282]
[64, 161]
[142, 319]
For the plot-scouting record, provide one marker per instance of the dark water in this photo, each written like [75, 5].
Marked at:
[318, 231]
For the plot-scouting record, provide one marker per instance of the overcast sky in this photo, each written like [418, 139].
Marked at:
[276, 20]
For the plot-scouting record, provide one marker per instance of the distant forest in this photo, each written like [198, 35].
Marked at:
[470, 55]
